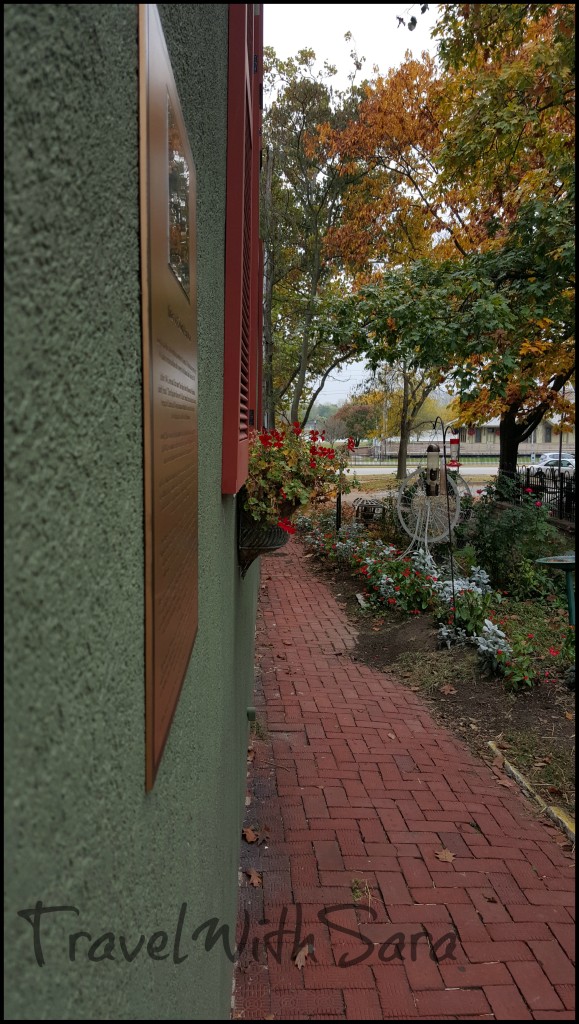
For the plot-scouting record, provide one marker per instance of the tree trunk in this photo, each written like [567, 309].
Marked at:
[405, 426]
[305, 351]
[268, 273]
[512, 433]
[268, 395]
[508, 443]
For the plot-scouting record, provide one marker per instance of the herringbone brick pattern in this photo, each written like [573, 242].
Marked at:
[359, 789]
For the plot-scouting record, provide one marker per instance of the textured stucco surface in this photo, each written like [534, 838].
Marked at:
[81, 830]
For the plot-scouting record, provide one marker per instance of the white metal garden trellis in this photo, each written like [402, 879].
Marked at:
[430, 519]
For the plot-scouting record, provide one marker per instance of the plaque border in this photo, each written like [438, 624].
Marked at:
[149, 22]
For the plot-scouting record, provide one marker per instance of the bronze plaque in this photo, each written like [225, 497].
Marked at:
[169, 315]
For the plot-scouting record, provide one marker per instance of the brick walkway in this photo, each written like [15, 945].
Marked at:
[358, 789]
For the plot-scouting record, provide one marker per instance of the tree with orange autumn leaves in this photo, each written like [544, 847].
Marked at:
[459, 237]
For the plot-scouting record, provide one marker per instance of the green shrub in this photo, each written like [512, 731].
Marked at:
[471, 609]
[508, 539]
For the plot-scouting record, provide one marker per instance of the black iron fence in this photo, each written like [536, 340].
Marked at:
[555, 489]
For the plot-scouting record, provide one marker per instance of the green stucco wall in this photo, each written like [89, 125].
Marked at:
[80, 829]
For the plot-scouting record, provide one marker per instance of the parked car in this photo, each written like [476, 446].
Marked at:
[564, 465]
[547, 456]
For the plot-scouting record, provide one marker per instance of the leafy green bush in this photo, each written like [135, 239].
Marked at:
[471, 609]
[531, 581]
[508, 539]
[517, 668]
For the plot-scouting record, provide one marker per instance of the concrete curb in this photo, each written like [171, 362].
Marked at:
[565, 822]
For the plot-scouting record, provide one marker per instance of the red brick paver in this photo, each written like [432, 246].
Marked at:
[358, 788]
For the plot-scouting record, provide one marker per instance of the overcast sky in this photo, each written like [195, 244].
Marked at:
[374, 27]
[375, 36]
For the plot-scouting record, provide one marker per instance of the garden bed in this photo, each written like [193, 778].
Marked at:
[534, 727]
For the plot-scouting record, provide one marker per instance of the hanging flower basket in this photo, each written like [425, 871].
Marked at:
[255, 539]
[287, 470]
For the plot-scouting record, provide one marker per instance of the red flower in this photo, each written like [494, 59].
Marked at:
[351, 444]
[530, 636]
[528, 490]
[553, 652]
[538, 505]
[391, 600]
[312, 464]
[265, 440]
[284, 524]
[296, 429]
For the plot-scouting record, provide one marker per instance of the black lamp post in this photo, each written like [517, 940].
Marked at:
[444, 431]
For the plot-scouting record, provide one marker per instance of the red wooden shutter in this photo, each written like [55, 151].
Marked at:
[259, 398]
[243, 284]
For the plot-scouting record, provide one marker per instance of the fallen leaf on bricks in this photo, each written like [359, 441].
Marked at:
[301, 957]
[489, 899]
[445, 855]
[505, 783]
[263, 836]
[498, 761]
[249, 835]
[250, 754]
[254, 877]
[391, 736]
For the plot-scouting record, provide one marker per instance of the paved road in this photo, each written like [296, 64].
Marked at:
[474, 470]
